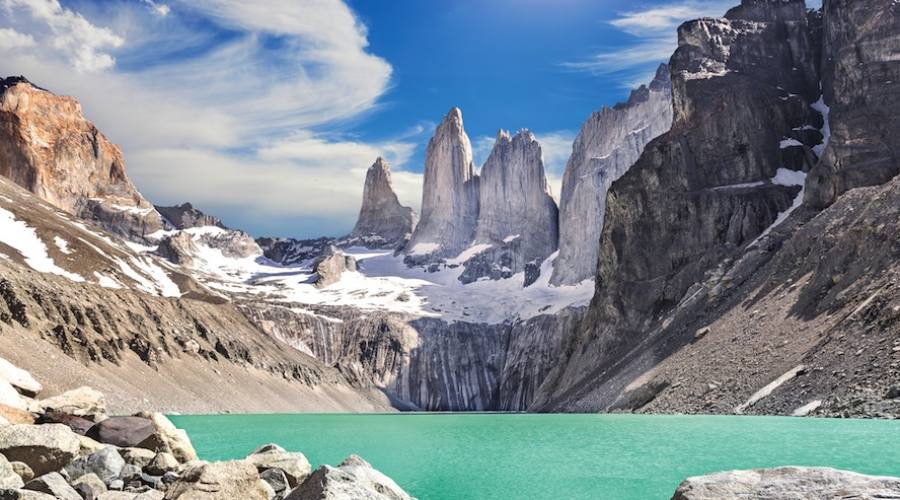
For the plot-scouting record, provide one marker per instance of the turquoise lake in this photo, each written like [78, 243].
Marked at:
[519, 456]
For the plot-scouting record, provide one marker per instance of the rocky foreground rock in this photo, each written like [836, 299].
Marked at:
[788, 483]
[86, 455]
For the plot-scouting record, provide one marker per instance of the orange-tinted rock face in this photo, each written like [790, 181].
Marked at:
[48, 147]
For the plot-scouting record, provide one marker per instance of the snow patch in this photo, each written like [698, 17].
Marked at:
[25, 240]
[424, 249]
[468, 253]
[511, 238]
[789, 143]
[770, 388]
[825, 111]
[107, 281]
[62, 245]
[807, 408]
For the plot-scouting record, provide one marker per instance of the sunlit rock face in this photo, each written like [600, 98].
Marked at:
[608, 145]
[517, 222]
[49, 148]
[449, 196]
[383, 222]
[859, 80]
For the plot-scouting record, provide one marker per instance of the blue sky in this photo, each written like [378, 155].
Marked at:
[267, 114]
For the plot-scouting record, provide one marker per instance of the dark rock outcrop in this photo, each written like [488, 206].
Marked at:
[861, 85]
[185, 216]
[383, 222]
[518, 219]
[606, 147]
[449, 195]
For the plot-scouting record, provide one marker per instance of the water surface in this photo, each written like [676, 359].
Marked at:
[518, 456]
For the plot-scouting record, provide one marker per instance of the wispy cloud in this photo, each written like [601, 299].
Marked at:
[653, 38]
[247, 123]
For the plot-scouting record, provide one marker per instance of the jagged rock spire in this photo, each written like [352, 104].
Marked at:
[449, 196]
[383, 221]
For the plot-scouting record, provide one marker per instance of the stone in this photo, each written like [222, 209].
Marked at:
[123, 431]
[24, 495]
[89, 486]
[163, 462]
[19, 378]
[169, 477]
[150, 495]
[787, 483]
[139, 457]
[699, 334]
[352, 479]
[88, 445]
[86, 177]
[168, 438]
[81, 402]
[22, 470]
[518, 218]
[185, 216]
[449, 195]
[609, 143]
[79, 425]
[15, 415]
[277, 480]
[44, 448]
[9, 477]
[331, 265]
[219, 481]
[271, 456]
[107, 464]
[117, 495]
[129, 473]
[116, 485]
[383, 222]
[10, 397]
[53, 484]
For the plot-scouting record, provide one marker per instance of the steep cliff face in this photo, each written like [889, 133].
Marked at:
[185, 216]
[860, 75]
[49, 148]
[449, 195]
[743, 86]
[517, 221]
[606, 147]
[383, 222]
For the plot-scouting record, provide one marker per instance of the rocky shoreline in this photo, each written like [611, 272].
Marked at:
[67, 447]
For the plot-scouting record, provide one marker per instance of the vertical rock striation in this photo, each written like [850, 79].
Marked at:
[49, 148]
[383, 222]
[702, 191]
[449, 196]
[861, 85]
[608, 145]
[517, 220]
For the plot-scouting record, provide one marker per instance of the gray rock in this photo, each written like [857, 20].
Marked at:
[331, 265]
[787, 483]
[383, 222]
[107, 464]
[128, 474]
[116, 485]
[163, 462]
[219, 481]
[277, 480]
[24, 495]
[53, 484]
[271, 456]
[44, 448]
[89, 486]
[449, 196]
[185, 216]
[353, 479]
[22, 470]
[9, 478]
[81, 402]
[608, 144]
[137, 456]
[515, 205]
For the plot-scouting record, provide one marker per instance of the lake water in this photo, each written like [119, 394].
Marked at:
[517, 456]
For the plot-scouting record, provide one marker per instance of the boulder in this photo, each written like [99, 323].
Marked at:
[271, 456]
[53, 484]
[19, 378]
[107, 464]
[15, 416]
[45, 448]
[24, 495]
[123, 431]
[89, 486]
[9, 396]
[163, 462]
[78, 424]
[22, 470]
[9, 479]
[331, 265]
[168, 438]
[140, 457]
[219, 481]
[277, 480]
[82, 402]
[88, 445]
[352, 479]
[787, 483]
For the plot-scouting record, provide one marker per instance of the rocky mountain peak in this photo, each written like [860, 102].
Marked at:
[449, 195]
[185, 216]
[383, 221]
[48, 147]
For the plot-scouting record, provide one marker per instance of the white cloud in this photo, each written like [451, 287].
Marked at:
[655, 38]
[159, 8]
[86, 46]
[12, 39]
